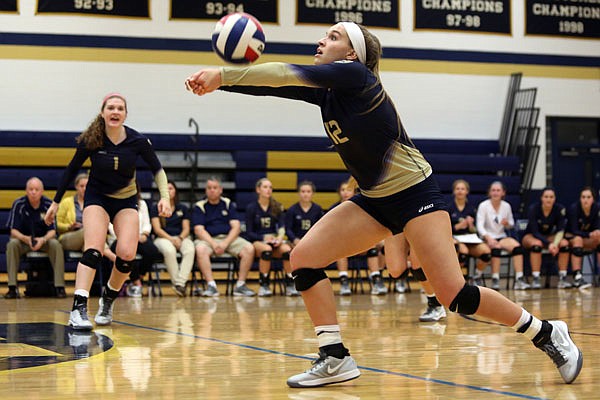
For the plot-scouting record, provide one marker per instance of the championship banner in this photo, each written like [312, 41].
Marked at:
[263, 10]
[480, 16]
[8, 5]
[113, 8]
[573, 18]
[375, 13]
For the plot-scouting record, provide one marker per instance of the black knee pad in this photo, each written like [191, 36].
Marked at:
[285, 256]
[419, 275]
[534, 249]
[518, 251]
[577, 251]
[266, 255]
[123, 266]
[305, 278]
[467, 300]
[496, 252]
[487, 257]
[372, 252]
[462, 257]
[91, 258]
[564, 249]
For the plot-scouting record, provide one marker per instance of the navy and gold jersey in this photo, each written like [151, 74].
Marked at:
[541, 226]
[298, 222]
[174, 224]
[28, 220]
[260, 222]
[358, 116]
[113, 166]
[215, 218]
[457, 216]
[579, 224]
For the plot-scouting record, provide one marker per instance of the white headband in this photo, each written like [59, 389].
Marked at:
[357, 39]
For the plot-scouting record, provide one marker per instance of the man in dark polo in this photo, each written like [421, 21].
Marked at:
[28, 232]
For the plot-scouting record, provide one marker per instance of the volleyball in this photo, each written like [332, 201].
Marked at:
[238, 38]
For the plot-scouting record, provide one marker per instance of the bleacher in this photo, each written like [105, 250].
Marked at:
[239, 161]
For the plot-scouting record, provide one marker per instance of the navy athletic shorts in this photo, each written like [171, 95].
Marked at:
[111, 205]
[396, 210]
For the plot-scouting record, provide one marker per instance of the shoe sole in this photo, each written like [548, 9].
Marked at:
[80, 328]
[345, 377]
[579, 359]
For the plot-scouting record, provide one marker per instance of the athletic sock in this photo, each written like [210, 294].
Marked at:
[432, 301]
[538, 331]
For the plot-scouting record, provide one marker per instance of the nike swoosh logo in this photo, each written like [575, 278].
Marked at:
[334, 369]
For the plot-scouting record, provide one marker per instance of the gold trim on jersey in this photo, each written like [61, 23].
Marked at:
[406, 167]
[126, 192]
[273, 74]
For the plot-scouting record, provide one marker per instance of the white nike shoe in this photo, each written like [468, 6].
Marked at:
[561, 349]
[326, 370]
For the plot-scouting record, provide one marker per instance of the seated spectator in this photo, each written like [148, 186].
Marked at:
[583, 232]
[70, 216]
[217, 229]
[545, 230]
[265, 230]
[494, 220]
[29, 232]
[464, 230]
[302, 215]
[172, 236]
[346, 190]
[145, 248]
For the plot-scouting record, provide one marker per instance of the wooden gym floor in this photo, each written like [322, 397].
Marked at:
[242, 348]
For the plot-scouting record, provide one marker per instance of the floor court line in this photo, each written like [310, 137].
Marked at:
[364, 368]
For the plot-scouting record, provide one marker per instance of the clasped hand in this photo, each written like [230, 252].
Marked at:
[204, 81]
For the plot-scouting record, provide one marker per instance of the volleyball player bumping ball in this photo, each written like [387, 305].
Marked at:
[397, 194]
[110, 195]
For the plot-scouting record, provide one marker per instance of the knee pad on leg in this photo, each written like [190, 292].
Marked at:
[372, 252]
[404, 274]
[91, 258]
[487, 257]
[564, 249]
[577, 251]
[467, 300]
[519, 250]
[496, 252]
[123, 266]
[305, 278]
[534, 249]
[419, 274]
[266, 255]
[462, 257]
[285, 256]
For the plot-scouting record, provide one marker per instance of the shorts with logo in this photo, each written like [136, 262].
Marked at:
[234, 247]
[396, 210]
[111, 205]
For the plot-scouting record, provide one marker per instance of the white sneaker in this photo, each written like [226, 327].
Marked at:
[105, 311]
[79, 321]
[563, 283]
[400, 286]
[290, 290]
[345, 286]
[377, 286]
[243, 291]
[563, 352]
[210, 291]
[520, 284]
[134, 290]
[495, 283]
[264, 291]
[325, 371]
[536, 284]
[433, 314]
